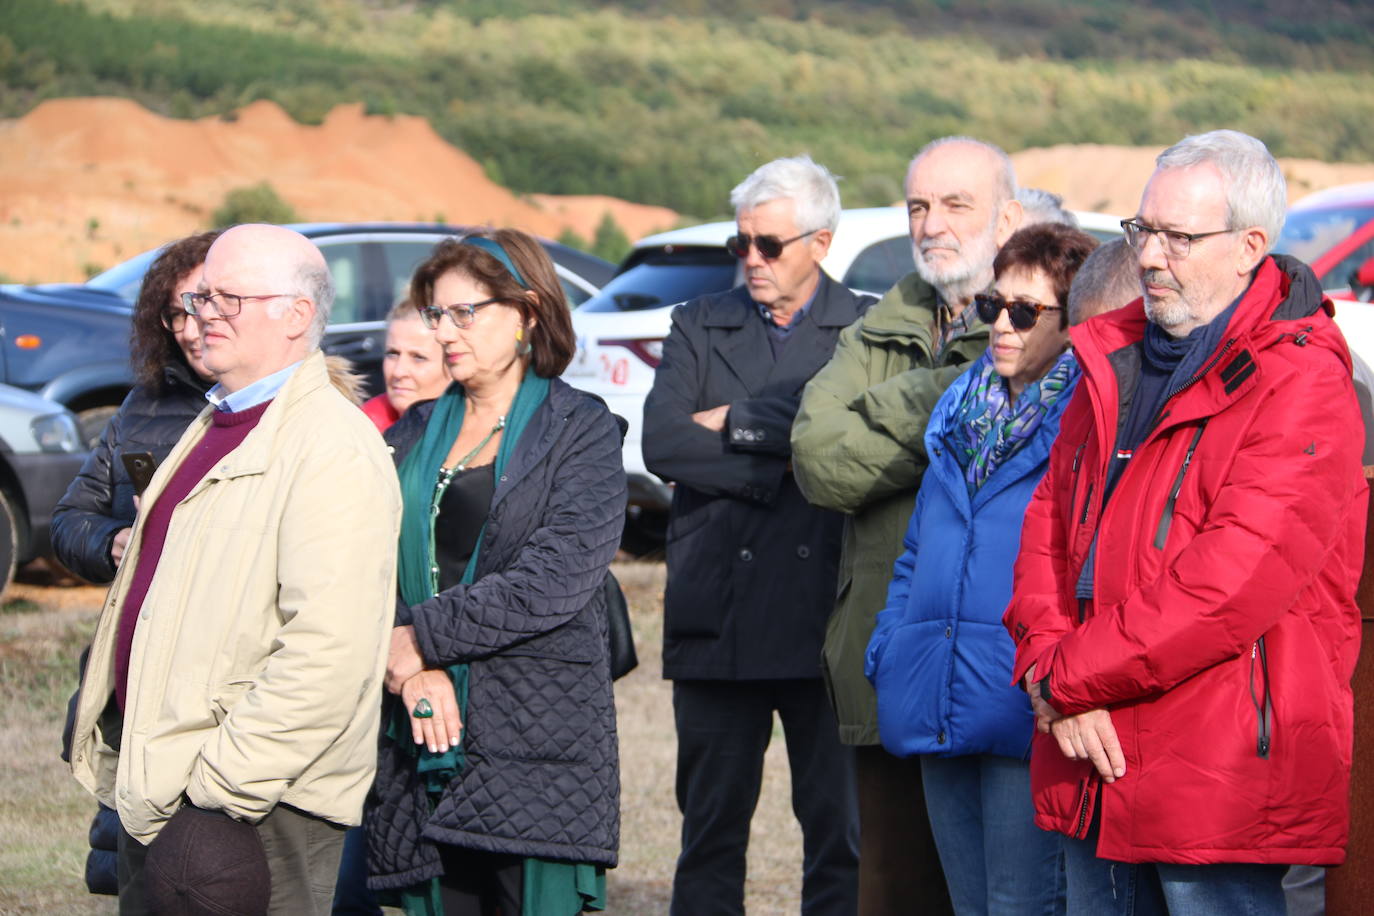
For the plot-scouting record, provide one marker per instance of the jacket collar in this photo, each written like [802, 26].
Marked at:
[834, 306]
[1284, 300]
[906, 311]
[253, 454]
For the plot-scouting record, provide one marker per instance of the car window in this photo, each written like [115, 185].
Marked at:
[665, 279]
[1342, 275]
[879, 266]
[1309, 234]
[346, 267]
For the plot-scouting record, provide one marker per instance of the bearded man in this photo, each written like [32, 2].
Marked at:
[857, 447]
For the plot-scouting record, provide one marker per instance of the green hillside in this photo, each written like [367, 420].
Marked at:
[647, 102]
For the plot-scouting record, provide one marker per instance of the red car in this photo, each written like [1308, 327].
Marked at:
[1333, 231]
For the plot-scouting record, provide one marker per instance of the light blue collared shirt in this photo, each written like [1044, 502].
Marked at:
[264, 389]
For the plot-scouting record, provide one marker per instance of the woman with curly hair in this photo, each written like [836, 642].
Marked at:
[91, 525]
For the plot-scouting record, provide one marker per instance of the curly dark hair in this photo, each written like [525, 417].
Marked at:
[152, 347]
[551, 339]
[1056, 249]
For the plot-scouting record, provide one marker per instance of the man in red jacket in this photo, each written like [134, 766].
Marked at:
[1184, 605]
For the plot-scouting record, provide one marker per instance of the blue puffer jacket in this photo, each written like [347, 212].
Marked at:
[939, 656]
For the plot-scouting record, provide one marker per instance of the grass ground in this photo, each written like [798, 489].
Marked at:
[44, 814]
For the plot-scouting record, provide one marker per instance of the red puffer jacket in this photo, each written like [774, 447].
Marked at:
[1223, 632]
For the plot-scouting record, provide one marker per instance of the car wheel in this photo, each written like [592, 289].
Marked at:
[9, 541]
[92, 422]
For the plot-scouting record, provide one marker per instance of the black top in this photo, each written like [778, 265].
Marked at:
[462, 511]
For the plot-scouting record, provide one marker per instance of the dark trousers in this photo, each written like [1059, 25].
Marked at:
[481, 883]
[723, 730]
[899, 866]
[302, 857]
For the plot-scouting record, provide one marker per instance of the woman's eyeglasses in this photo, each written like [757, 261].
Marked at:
[770, 246]
[1022, 313]
[174, 320]
[462, 314]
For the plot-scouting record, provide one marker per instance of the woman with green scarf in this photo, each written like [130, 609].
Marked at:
[498, 780]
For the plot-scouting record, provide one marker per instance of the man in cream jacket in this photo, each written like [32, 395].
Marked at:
[238, 661]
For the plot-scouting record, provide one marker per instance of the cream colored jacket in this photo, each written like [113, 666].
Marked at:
[258, 659]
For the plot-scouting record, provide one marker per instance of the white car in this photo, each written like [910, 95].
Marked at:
[620, 330]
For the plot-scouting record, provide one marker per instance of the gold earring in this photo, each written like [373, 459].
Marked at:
[519, 333]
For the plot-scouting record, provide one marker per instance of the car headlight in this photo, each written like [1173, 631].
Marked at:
[56, 432]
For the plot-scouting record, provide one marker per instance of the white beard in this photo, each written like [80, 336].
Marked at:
[969, 272]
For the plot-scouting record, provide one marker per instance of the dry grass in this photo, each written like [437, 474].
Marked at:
[44, 815]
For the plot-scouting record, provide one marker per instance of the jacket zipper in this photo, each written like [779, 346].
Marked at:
[1166, 518]
[1264, 709]
[1083, 806]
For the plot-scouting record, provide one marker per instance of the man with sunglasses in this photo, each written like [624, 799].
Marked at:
[235, 674]
[1184, 597]
[857, 447]
[751, 565]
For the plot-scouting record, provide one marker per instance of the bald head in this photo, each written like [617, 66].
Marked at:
[286, 292]
[961, 205]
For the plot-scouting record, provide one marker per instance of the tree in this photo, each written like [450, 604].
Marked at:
[257, 203]
[610, 241]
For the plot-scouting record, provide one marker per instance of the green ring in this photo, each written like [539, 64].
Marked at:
[423, 710]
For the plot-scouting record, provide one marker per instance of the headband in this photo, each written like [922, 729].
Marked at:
[494, 249]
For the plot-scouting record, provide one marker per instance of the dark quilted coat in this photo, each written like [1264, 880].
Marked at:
[542, 775]
[100, 501]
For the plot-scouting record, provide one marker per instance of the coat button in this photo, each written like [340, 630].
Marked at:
[746, 554]
[803, 551]
[937, 453]
[940, 738]
[949, 631]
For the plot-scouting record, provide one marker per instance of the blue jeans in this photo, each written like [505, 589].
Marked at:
[996, 860]
[1101, 887]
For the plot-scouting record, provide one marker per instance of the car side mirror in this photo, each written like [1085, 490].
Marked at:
[1362, 282]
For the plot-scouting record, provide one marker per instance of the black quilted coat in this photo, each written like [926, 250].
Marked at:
[100, 501]
[542, 775]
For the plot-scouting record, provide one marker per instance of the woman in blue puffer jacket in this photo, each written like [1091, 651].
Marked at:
[939, 657]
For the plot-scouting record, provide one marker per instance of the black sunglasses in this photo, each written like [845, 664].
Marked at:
[1022, 313]
[770, 246]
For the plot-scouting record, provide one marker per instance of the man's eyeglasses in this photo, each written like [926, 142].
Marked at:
[462, 314]
[1176, 244]
[174, 319]
[1022, 313]
[770, 246]
[225, 305]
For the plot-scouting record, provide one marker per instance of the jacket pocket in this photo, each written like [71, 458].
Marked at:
[226, 695]
[1262, 698]
[1166, 517]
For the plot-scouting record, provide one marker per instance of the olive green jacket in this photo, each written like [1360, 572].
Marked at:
[857, 446]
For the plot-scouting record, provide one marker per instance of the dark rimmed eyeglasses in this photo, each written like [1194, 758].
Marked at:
[225, 305]
[174, 319]
[770, 246]
[462, 314]
[1176, 244]
[1022, 313]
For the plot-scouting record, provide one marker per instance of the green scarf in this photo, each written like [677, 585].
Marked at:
[550, 888]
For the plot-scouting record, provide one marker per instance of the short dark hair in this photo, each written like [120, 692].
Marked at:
[551, 338]
[152, 348]
[1108, 279]
[1053, 248]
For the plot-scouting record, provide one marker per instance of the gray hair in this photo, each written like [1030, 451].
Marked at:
[1006, 173]
[1108, 279]
[1256, 193]
[809, 185]
[1039, 206]
[314, 283]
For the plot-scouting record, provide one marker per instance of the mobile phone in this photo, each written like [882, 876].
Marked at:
[140, 466]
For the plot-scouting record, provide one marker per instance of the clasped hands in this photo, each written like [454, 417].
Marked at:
[407, 676]
[1086, 736]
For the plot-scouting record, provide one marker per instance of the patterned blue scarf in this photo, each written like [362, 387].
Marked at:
[988, 428]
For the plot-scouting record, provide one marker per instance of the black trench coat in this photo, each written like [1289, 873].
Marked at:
[751, 565]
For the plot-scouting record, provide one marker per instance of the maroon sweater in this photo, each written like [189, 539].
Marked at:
[226, 431]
